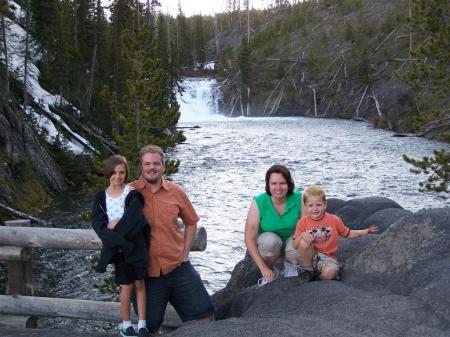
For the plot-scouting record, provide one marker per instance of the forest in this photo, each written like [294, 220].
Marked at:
[117, 69]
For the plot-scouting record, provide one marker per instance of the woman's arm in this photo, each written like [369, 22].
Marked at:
[250, 234]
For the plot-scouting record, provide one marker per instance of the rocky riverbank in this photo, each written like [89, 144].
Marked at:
[395, 283]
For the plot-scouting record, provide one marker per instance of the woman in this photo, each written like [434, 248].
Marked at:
[271, 222]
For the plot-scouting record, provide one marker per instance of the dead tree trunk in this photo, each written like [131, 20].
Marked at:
[5, 52]
[27, 54]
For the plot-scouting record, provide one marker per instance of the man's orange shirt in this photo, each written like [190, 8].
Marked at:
[162, 210]
[325, 232]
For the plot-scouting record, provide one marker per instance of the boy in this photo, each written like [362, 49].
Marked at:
[316, 237]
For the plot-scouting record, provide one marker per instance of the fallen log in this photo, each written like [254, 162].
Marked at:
[73, 308]
[11, 253]
[18, 322]
[18, 214]
[74, 239]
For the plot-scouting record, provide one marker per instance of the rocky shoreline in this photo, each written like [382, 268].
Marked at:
[395, 283]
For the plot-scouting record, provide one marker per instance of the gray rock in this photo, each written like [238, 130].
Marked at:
[333, 204]
[392, 284]
[355, 211]
[385, 217]
[244, 275]
[325, 308]
[410, 258]
[19, 142]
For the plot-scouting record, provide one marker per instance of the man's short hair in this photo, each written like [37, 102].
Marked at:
[111, 164]
[314, 190]
[151, 149]
[284, 171]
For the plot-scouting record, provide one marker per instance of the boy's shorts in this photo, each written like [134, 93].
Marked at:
[321, 260]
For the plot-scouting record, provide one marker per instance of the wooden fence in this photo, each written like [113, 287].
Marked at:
[19, 308]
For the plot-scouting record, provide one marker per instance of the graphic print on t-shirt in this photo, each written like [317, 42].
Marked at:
[320, 233]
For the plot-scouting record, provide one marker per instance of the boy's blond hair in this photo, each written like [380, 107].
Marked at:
[314, 190]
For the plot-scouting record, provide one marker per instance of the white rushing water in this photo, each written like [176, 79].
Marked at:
[223, 164]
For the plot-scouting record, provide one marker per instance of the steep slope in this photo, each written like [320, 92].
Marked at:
[324, 59]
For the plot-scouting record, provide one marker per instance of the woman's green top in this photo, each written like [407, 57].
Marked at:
[270, 221]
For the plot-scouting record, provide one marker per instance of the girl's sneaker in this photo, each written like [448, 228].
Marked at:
[128, 332]
[143, 332]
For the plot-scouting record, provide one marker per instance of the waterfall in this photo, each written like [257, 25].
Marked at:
[199, 101]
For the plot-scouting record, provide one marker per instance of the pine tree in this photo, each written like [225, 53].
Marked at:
[245, 72]
[429, 74]
[199, 42]
[437, 168]
[144, 113]
[184, 41]
[430, 78]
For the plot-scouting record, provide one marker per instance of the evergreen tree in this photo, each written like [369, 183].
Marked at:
[245, 72]
[437, 168]
[144, 114]
[429, 74]
[430, 77]
[199, 42]
[183, 38]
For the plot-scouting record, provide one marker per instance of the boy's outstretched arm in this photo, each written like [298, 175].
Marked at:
[356, 233]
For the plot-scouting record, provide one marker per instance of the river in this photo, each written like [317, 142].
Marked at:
[224, 160]
[223, 163]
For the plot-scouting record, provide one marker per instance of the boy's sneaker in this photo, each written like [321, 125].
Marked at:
[304, 275]
[143, 332]
[128, 332]
[275, 274]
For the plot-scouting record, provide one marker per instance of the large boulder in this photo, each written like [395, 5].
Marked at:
[244, 275]
[411, 258]
[355, 211]
[333, 204]
[385, 217]
[325, 308]
[392, 284]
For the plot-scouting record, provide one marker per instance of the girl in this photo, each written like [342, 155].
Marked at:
[118, 220]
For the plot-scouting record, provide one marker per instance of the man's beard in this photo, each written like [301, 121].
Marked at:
[153, 181]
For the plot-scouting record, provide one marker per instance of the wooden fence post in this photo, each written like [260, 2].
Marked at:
[20, 277]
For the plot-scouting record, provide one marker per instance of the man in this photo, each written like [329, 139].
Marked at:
[172, 278]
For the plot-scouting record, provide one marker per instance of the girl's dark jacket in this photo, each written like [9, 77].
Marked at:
[131, 234]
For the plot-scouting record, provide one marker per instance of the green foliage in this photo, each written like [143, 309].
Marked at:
[430, 71]
[437, 169]
[23, 169]
[348, 6]
[245, 64]
[350, 31]
[108, 286]
[147, 112]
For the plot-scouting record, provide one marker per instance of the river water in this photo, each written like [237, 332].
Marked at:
[223, 163]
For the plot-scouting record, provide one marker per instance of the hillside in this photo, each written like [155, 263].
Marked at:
[325, 59]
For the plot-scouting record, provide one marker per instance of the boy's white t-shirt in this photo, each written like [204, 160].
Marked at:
[115, 207]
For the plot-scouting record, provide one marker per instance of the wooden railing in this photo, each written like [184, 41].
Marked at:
[19, 308]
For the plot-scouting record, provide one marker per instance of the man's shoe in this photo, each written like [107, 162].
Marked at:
[143, 332]
[128, 332]
[304, 275]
